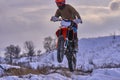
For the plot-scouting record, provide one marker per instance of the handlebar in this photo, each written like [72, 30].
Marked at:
[54, 19]
[64, 22]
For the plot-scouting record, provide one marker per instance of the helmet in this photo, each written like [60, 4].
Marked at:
[60, 2]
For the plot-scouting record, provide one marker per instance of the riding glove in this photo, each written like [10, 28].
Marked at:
[53, 18]
[77, 21]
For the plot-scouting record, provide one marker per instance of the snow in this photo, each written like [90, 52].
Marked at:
[53, 76]
[99, 55]
[99, 52]
[108, 72]
[10, 78]
[6, 66]
[1, 72]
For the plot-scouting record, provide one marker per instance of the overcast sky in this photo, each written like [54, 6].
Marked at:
[29, 20]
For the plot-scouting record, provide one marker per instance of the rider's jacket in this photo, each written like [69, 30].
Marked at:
[68, 12]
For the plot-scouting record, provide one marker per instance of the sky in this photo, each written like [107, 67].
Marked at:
[29, 20]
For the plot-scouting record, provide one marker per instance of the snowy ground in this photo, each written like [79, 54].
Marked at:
[99, 55]
[98, 74]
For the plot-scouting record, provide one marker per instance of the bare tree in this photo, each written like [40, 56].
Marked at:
[11, 52]
[29, 46]
[39, 52]
[54, 44]
[114, 36]
[47, 43]
[17, 51]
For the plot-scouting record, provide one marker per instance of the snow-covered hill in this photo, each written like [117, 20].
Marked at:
[93, 53]
[99, 55]
[99, 52]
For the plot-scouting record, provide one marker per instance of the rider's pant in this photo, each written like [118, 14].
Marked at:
[75, 30]
[75, 26]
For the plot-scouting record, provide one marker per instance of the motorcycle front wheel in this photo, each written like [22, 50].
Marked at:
[60, 49]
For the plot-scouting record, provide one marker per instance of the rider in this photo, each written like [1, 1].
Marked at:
[66, 11]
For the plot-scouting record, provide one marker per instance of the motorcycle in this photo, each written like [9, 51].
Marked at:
[66, 43]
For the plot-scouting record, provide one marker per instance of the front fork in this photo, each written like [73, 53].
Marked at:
[66, 40]
[66, 43]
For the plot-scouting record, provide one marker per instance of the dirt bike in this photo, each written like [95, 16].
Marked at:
[66, 44]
